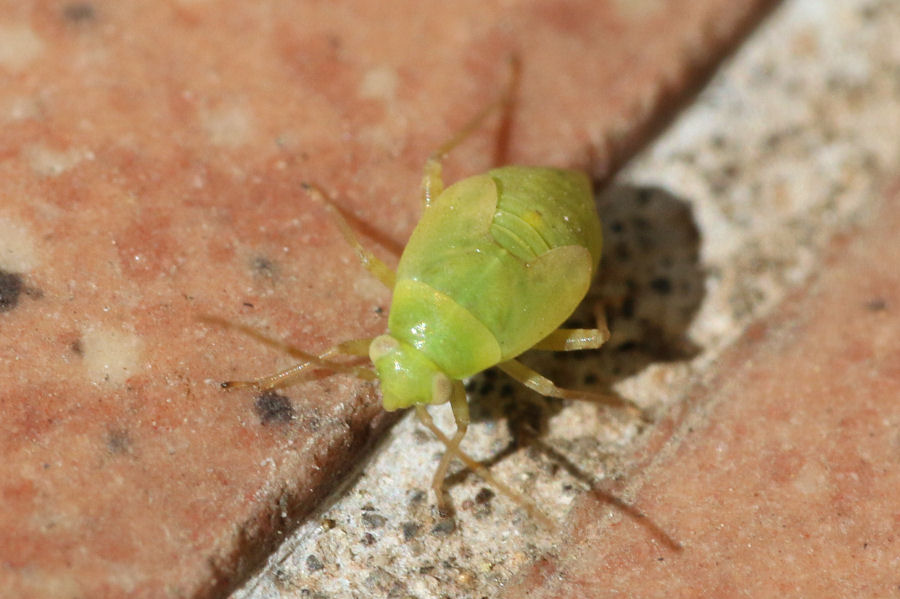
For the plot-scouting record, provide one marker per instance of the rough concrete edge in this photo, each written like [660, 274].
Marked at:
[282, 510]
[653, 114]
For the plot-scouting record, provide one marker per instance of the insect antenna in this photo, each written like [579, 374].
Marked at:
[355, 347]
[432, 184]
[369, 260]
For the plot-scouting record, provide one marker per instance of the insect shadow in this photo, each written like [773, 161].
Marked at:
[650, 286]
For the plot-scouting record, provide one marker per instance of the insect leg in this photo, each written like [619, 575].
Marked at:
[573, 339]
[481, 471]
[544, 386]
[369, 260]
[460, 407]
[289, 376]
[576, 339]
[432, 181]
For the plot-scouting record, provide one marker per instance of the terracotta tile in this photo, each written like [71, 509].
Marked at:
[779, 477]
[150, 164]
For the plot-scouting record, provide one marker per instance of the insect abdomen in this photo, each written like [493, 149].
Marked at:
[515, 247]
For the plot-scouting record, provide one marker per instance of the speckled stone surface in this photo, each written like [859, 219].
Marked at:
[150, 163]
[782, 475]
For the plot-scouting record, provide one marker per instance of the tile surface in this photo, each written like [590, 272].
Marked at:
[151, 157]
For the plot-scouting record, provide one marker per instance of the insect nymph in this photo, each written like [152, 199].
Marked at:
[496, 264]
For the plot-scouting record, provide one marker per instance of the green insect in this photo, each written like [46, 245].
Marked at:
[497, 262]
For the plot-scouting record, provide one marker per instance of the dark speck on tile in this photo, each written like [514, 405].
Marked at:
[373, 520]
[78, 12]
[483, 496]
[877, 304]
[410, 530]
[661, 285]
[10, 289]
[264, 267]
[273, 407]
[118, 441]
[313, 563]
[444, 527]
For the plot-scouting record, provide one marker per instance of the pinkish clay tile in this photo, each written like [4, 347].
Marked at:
[781, 477]
[150, 166]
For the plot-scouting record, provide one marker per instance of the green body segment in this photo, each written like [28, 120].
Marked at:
[497, 262]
